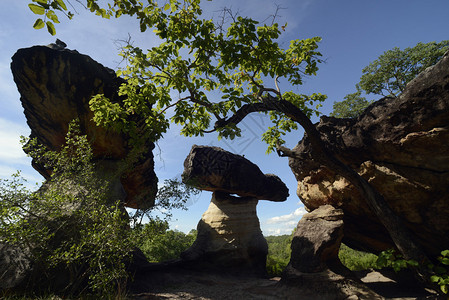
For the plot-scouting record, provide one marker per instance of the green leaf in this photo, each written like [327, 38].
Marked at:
[52, 16]
[51, 28]
[61, 4]
[37, 9]
[434, 278]
[38, 24]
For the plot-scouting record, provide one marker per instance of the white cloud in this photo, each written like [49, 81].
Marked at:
[289, 219]
[283, 224]
[10, 148]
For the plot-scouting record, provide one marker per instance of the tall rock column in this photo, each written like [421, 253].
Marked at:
[55, 86]
[229, 236]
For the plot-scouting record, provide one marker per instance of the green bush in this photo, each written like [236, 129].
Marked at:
[159, 243]
[70, 225]
[357, 260]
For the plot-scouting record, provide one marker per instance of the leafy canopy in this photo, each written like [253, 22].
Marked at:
[201, 69]
[389, 74]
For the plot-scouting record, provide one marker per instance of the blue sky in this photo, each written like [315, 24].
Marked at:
[354, 33]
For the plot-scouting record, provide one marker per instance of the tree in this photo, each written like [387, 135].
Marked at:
[159, 243]
[198, 59]
[389, 74]
[353, 105]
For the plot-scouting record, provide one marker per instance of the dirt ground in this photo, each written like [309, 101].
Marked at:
[216, 287]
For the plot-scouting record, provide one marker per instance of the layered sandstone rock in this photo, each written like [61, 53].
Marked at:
[229, 236]
[401, 146]
[56, 86]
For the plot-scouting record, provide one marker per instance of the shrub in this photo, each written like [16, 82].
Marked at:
[73, 232]
[357, 260]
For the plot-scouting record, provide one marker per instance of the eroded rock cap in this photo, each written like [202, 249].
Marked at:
[214, 169]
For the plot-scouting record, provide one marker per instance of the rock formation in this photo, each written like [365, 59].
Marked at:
[229, 236]
[56, 85]
[213, 169]
[317, 240]
[314, 267]
[401, 147]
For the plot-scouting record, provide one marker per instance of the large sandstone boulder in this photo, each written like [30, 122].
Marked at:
[401, 146]
[314, 267]
[229, 236]
[56, 85]
[317, 239]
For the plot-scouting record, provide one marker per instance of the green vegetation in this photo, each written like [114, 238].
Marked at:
[203, 68]
[279, 250]
[158, 243]
[69, 226]
[441, 271]
[389, 74]
[357, 260]
[74, 227]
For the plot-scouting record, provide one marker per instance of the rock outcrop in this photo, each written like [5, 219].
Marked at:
[314, 267]
[401, 146]
[229, 236]
[56, 85]
[317, 240]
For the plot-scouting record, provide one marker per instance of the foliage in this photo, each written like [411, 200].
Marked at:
[390, 258]
[173, 194]
[353, 105]
[158, 243]
[389, 74]
[279, 251]
[47, 9]
[441, 276]
[197, 60]
[70, 222]
[356, 260]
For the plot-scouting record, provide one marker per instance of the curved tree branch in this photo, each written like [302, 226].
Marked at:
[399, 233]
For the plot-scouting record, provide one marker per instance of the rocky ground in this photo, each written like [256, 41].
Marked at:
[219, 287]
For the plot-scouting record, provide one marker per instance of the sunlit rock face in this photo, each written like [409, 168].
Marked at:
[56, 86]
[229, 236]
[401, 146]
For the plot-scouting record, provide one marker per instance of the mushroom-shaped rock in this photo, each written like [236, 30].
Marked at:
[214, 169]
[56, 85]
[229, 236]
